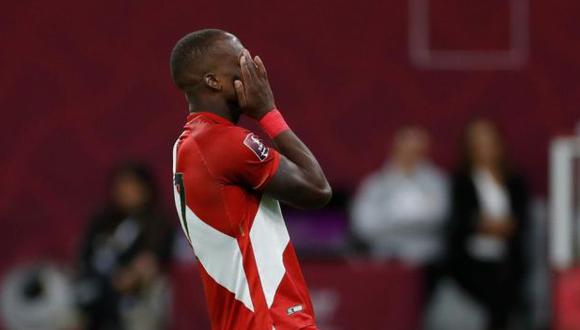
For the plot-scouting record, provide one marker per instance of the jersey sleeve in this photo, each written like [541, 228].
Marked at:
[240, 157]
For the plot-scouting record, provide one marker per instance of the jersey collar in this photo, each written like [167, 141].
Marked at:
[208, 116]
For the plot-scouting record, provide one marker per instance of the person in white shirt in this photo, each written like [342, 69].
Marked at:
[399, 211]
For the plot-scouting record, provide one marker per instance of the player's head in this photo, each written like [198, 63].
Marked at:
[206, 62]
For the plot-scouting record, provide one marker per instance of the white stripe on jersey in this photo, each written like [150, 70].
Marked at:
[269, 238]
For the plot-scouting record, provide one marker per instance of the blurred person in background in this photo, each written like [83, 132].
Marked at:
[39, 295]
[400, 210]
[487, 224]
[124, 255]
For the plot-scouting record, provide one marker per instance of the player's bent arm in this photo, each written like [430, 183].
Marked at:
[299, 180]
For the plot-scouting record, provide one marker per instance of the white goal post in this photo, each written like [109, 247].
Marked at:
[564, 202]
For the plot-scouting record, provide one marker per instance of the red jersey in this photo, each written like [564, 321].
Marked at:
[248, 266]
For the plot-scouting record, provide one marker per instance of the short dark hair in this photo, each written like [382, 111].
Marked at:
[191, 49]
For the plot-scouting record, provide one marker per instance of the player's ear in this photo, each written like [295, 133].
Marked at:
[212, 82]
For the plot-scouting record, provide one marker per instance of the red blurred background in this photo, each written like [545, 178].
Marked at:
[86, 84]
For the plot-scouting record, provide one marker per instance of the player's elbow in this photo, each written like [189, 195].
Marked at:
[319, 196]
[325, 194]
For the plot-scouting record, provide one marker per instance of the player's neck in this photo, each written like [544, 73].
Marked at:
[222, 109]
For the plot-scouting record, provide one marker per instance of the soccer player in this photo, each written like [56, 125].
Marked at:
[228, 183]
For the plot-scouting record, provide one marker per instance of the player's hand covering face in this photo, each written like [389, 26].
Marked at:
[253, 90]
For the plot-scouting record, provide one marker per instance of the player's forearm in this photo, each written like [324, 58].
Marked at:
[289, 145]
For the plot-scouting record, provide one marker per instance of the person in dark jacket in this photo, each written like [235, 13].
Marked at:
[488, 224]
[124, 253]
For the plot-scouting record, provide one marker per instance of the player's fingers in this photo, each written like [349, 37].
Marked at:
[261, 67]
[239, 87]
[250, 63]
[246, 75]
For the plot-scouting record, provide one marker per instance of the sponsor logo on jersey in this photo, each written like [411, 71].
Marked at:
[294, 309]
[258, 147]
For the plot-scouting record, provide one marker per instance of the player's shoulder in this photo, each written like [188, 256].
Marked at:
[224, 137]
[242, 143]
[208, 135]
[230, 142]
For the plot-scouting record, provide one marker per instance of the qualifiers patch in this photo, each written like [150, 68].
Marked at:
[258, 147]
